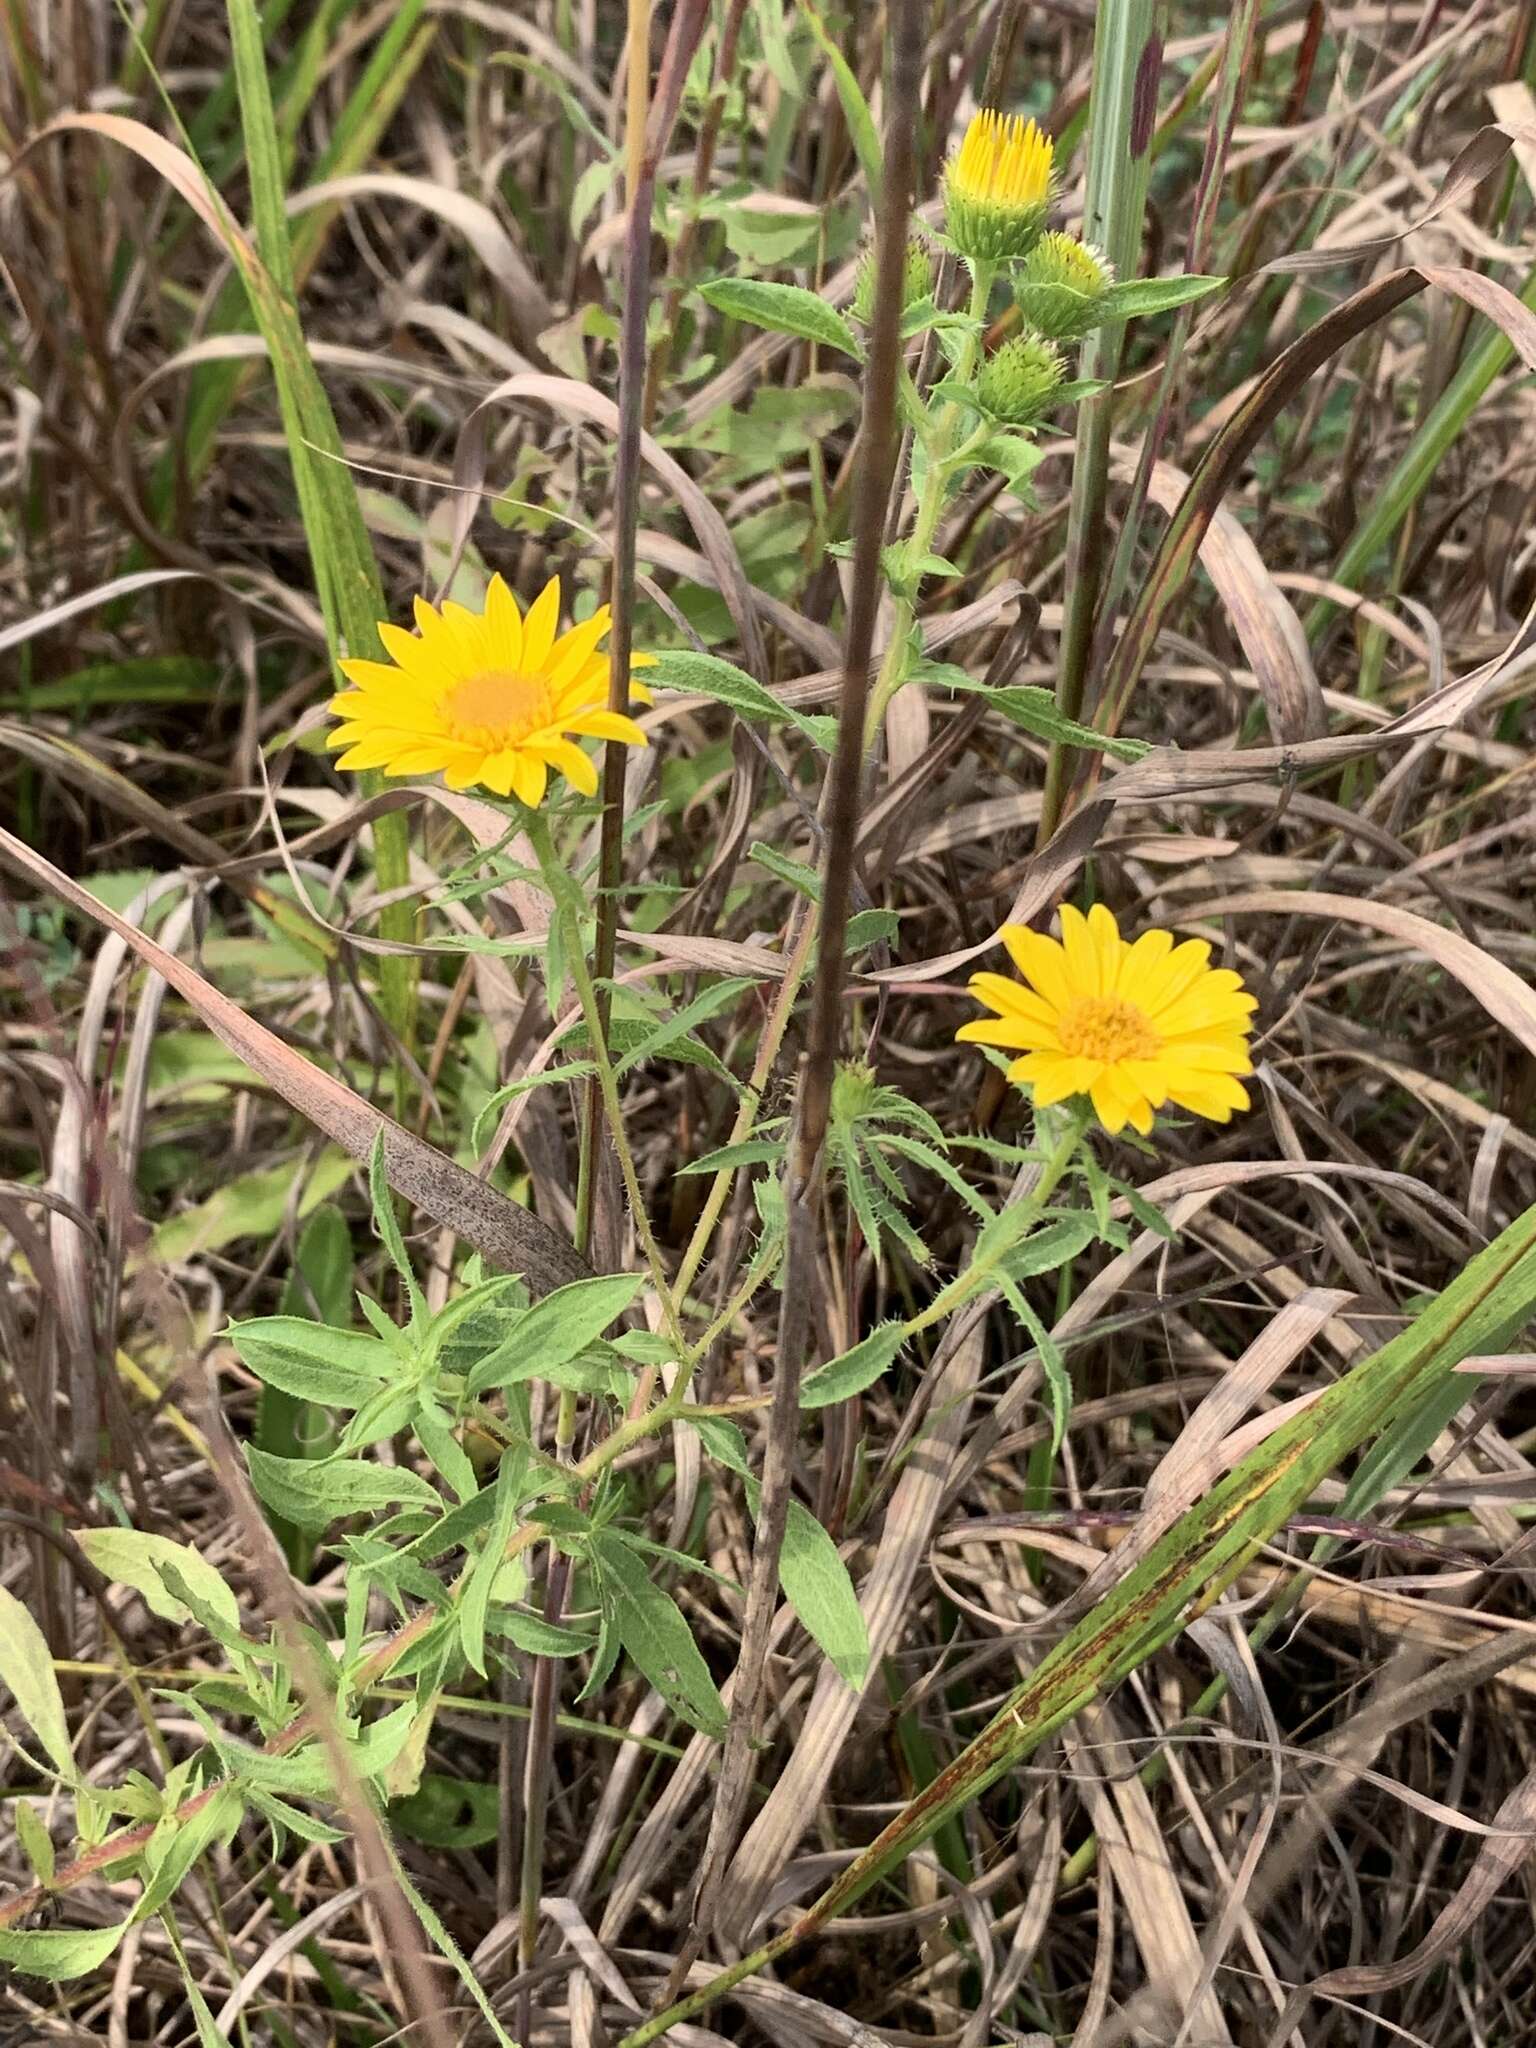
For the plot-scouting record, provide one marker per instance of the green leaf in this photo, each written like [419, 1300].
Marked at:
[861, 122]
[706, 675]
[794, 872]
[541, 1638]
[785, 309]
[555, 1329]
[817, 1586]
[871, 927]
[1014, 456]
[1030, 707]
[26, 1669]
[335, 1368]
[666, 1033]
[750, 1152]
[387, 1224]
[250, 1205]
[35, 1840]
[448, 1813]
[59, 1953]
[510, 1491]
[651, 1627]
[850, 1373]
[133, 1557]
[815, 1579]
[1139, 296]
[313, 1492]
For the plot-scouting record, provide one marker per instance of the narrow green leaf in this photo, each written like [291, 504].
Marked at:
[312, 1493]
[555, 1329]
[132, 1557]
[783, 308]
[334, 1368]
[850, 1373]
[861, 122]
[26, 1669]
[59, 1953]
[706, 675]
[1139, 296]
[652, 1629]
[511, 1490]
[750, 1152]
[36, 1842]
[817, 1586]
[387, 1224]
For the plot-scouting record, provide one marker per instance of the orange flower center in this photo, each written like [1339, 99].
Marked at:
[496, 708]
[1104, 1028]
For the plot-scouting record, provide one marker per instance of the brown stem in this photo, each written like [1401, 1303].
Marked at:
[682, 40]
[841, 819]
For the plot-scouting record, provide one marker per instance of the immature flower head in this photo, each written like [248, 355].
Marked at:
[1132, 1027]
[489, 697]
[916, 280]
[1060, 287]
[997, 187]
[1018, 381]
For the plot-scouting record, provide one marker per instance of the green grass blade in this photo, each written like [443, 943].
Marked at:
[1191, 1564]
[1126, 64]
[346, 575]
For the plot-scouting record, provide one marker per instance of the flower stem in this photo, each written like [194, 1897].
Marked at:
[932, 496]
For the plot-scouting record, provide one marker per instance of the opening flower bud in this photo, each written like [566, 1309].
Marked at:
[997, 187]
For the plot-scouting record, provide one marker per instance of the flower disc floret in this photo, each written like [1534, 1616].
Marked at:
[493, 698]
[1131, 1026]
[997, 187]
[1060, 287]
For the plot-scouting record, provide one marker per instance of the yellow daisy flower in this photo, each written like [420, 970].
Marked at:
[997, 187]
[492, 697]
[1132, 1027]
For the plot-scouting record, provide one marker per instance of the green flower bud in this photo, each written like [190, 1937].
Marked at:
[1017, 382]
[916, 280]
[1060, 287]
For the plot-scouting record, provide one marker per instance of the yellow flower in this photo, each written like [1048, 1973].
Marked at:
[494, 698]
[997, 187]
[1132, 1027]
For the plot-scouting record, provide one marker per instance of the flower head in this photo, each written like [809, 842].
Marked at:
[489, 697]
[997, 187]
[1131, 1026]
[1060, 286]
[1018, 380]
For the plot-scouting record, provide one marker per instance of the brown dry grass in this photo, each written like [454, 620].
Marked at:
[1174, 1866]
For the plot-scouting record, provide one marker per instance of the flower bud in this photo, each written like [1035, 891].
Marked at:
[916, 280]
[997, 187]
[1060, 287]
[1017, 382]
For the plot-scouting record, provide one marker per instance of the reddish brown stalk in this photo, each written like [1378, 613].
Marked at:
[841, 819]
[682, 40]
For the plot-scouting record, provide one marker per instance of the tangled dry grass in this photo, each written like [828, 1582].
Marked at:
[1330, 1779]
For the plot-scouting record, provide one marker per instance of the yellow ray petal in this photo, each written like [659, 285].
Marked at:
[539, 628]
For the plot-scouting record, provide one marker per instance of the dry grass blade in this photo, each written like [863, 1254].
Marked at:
[507, 1237]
